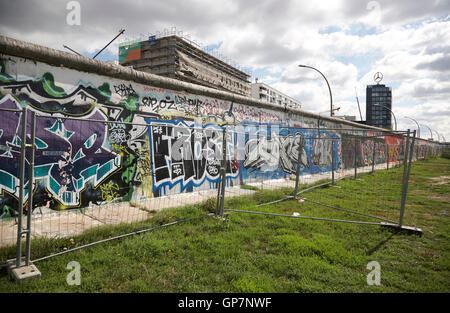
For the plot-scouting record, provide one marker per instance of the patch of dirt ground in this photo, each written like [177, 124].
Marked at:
[441, 180]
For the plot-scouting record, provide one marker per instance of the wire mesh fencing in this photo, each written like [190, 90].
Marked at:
[88, 173]
[72, 174]
[355, 191]
[313, 159]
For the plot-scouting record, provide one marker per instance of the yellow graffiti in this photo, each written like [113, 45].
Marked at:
[118, 148]
[109, 191]
[144, 165]
[394, 151]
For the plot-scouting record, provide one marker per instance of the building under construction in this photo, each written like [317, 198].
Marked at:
[174, 57]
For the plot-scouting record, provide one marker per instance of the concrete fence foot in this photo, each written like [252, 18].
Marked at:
[404, 229]
[23, 272]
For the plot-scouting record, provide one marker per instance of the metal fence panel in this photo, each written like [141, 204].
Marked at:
[82, 172]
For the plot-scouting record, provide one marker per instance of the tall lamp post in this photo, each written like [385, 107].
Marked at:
[418, 126]
[395, 120]
[329, 89]
[430, 131]
[439, 137]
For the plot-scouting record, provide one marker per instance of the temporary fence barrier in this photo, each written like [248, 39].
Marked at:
[76, 174]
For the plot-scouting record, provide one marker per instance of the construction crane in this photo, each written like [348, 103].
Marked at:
[359, 108]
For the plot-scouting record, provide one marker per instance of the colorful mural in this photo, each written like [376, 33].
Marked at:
[187, 154]
[101, 139]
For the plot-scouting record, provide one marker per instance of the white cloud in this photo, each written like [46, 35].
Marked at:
[411, 39]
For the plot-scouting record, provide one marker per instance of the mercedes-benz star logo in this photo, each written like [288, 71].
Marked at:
[378, 77]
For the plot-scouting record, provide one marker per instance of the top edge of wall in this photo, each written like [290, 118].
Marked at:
[19, 48]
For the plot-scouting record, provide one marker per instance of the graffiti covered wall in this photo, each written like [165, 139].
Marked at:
[100, 139]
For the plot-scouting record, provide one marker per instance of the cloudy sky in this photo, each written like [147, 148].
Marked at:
[408, 41]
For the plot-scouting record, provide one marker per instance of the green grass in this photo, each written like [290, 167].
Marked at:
[249, 187]
[257, 253]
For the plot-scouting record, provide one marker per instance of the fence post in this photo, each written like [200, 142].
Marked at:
[222, 177]
[354, 157]
[16, 269]
[219, 188]
[20, 231]
[406, 168]
[297, 172]
[417, 152]
[373, 155]
[30, 188]
[332, 160]
[387, 156]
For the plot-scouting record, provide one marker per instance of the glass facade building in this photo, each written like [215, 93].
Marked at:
[378, 106]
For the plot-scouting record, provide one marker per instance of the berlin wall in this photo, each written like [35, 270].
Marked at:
[152, 120]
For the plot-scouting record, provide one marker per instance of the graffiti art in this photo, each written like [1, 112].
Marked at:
[101, 139]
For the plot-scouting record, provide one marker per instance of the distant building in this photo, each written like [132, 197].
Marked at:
[174, 57]
[264, 92]
[378, 106]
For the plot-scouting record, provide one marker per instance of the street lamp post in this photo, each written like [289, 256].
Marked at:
[329, 89]
[395, 120]
[418, 126]
[430, 131]
[439, 138]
